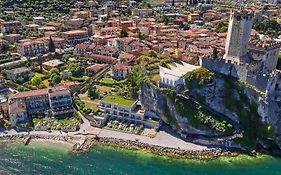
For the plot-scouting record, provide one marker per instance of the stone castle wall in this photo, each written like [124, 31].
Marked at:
[238, 36]
[238, 71]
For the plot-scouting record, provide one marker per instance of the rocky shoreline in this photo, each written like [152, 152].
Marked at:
[166, 151]
[88, 142]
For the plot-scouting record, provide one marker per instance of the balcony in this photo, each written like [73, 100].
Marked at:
[61, 112]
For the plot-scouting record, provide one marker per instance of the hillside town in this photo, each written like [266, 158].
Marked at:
[136, 67]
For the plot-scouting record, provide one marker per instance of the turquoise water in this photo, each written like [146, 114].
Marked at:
[55, 159]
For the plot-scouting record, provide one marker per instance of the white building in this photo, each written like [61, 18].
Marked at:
[119, 107]
[174, 76]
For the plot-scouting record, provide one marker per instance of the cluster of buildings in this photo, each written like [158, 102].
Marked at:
[109, 41]
[246, 57]
[50, 102]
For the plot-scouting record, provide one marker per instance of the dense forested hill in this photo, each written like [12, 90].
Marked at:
[24, 10]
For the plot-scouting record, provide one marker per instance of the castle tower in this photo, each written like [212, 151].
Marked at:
[238, 36]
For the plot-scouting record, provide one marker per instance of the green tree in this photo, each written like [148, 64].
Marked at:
[123, 33]
[222, 27]
[198, 77]
[93, 93]
[166, 20]
[54, 71]
[56, 79]
[135, 79]
[76, 70]
[215, 53]
[36, 80]
[52, 47]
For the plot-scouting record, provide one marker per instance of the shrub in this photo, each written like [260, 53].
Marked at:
[198, 77]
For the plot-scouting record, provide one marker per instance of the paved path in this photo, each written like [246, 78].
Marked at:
[161, 139]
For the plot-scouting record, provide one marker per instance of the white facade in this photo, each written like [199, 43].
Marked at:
[117, 110]
[174, 76]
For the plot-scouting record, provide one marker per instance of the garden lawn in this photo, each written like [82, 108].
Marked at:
[91, 105]
[108, 81]
[103, 89]
[118, 100]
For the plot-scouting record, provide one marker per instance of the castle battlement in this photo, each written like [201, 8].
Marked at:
[238, 15]
[264, 44]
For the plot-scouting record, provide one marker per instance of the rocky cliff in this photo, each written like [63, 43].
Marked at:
[158, 102]
[259, 118]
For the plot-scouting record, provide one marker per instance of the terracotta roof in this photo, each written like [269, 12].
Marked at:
[102, 57]
[82, 46]
[54, 24]
[75, 32]
[38, 92]
[71, 83]
[17, 107]
[96, 67]
[3, 41]
[110, 28]
[92, 46]
[126, 56]
[121, 67]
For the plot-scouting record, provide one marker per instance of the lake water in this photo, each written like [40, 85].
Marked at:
[56, 159]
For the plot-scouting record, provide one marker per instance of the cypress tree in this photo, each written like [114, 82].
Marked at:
[52, 47]
[173, 3]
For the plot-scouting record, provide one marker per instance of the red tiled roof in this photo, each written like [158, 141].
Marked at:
[54, 24]
[102, 57]
[71, 83]
[110, 28]
[30, 93]
[82, 46]
[96, 67]
[3, 41]
[120, 67]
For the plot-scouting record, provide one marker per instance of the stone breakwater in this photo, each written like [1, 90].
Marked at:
[166, 151]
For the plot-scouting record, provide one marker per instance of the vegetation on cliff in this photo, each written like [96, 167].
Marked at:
[197, 116]
[198, 78]
[250, 121]
[269, 26]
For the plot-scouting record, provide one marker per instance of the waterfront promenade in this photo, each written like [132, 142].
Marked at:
[162, 138]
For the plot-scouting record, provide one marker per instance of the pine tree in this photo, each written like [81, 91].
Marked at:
[52, 47]
[123, 33]
[215, 53]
